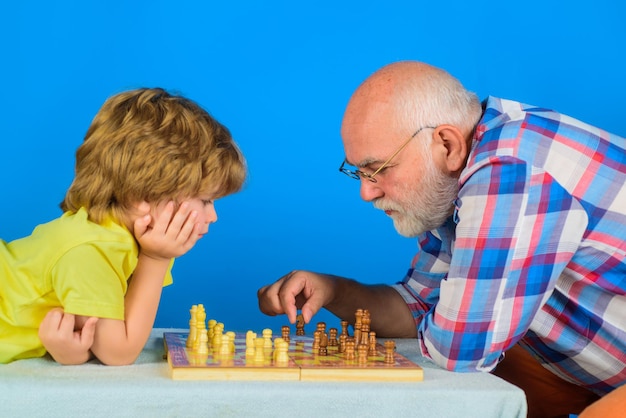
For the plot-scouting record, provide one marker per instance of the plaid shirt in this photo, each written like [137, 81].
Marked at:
[534, 251]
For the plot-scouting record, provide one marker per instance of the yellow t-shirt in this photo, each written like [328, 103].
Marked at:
[69, 262]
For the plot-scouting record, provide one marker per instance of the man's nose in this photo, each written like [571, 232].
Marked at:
[370, 190]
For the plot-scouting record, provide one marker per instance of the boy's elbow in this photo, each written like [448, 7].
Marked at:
[117, 359]
[114, 361]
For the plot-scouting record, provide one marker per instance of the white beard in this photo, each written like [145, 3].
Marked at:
[422, 208]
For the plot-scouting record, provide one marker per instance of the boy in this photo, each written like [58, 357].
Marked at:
[89, 283]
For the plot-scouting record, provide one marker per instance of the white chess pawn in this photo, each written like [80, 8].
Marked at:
[203, 342]
[259, 351]
[218, 329]
[225, 347]
[211, 327]
[277, 342]
[267, 337]
[231, 341]
[250, 337]
[281, 356]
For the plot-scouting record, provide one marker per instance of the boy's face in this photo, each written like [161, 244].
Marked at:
[206, 212]
[204, 206]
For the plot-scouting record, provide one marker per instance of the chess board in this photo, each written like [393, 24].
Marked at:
[304, 364]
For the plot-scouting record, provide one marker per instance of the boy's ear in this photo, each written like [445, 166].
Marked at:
[454, 146]
[142, 208]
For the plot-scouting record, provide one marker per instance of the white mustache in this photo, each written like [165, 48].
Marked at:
[382, 205]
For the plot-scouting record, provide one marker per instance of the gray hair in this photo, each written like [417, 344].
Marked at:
[436, 98]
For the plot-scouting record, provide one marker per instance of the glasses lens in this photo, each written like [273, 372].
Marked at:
[348, 171]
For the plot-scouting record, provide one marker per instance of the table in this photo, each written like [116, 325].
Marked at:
[41, 387]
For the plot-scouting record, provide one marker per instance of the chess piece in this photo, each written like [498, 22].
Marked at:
[201, 315]
[323, 350]
[332, 337]
[321, 327]
[277, 342]
[343, 338]
[372, 344]
[358, 315]
[299, 324]
[365, 325]
[281, 356]
[231, 341]
[224, 348]
[267, 340]
[390, 347]
[200, 326]
[250, 349]
[350, 354]
[362, 354]
[344, 328]
[211, 327]
[285, 333]
[203, 342]
[259, 350]
[358, 318]
[218, 330]
[317, 336]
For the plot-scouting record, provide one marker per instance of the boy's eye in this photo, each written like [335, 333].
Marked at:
[207, 202]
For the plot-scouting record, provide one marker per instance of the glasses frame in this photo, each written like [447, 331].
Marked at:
[358, 174]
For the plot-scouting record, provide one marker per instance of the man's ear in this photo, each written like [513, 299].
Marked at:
[453, 146]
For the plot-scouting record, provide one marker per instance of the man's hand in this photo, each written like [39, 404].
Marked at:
[302, 290]
[167, 235]
[310, 292]
[66, 344]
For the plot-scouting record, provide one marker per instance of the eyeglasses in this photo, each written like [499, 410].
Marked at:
[358, 174]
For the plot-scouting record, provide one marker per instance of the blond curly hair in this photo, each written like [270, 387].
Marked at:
[150, 145]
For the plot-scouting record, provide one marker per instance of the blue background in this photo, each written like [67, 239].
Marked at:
[279, 74]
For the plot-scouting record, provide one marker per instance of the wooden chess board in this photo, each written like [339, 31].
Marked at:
[304, 364]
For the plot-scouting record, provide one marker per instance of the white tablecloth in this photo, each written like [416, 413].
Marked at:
[41, 387]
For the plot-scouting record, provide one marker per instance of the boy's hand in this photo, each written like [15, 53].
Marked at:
[170, 235]
[66, 345]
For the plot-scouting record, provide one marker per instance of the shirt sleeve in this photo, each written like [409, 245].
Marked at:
[91, 281]
[516, 230]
